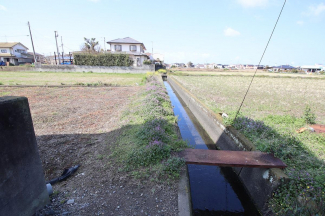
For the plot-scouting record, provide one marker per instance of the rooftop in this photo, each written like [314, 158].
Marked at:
[10, 44]
[126, 40]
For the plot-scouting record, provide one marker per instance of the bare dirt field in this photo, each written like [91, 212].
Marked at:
[79, 125]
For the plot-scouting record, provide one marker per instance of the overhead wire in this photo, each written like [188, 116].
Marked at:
[260, 61]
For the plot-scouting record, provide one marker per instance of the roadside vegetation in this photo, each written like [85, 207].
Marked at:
[274, 109]
[148, 146]
[56, 78]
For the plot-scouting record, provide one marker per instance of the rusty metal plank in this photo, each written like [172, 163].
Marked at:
[231, 158]
[318, 128]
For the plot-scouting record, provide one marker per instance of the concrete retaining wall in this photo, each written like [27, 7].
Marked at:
[16, 68]
[22, 185]
[259, 182]
[81, 68]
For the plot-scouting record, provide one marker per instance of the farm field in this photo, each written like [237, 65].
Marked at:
[278, 96]
[81, 125]
[244, 73]
[55, 78]
[274, 109]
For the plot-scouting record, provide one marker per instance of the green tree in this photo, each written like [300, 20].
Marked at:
[90, 45]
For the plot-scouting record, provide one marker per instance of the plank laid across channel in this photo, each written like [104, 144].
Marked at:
[231, 158]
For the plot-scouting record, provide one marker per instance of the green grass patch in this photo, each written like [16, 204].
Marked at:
[56, 78]
[147, 145]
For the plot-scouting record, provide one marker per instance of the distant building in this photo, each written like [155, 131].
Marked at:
[199, 66]
[313, 68]
[179, 65]
[39, 57]
[14, 53]
[282, 68]
[129, 46]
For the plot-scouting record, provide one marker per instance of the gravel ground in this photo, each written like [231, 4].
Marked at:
[79, 126]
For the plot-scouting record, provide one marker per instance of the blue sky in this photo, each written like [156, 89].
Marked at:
[201, 31]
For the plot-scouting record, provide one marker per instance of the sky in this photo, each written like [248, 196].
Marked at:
[200, 31]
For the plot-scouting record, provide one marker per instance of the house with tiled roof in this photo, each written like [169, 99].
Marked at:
[128, 45]
[14, 53]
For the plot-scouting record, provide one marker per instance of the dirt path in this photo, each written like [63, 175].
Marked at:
[79, 126]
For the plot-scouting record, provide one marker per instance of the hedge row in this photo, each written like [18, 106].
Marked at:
[107, 59]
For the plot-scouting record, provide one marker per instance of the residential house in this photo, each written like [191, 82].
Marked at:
[231, 67]
[239, 66]
[179, 65]
[220, 66]
[199, 66]
[282, 68]
[249, 66]
[258, 67]
[39, 57]
[313, 68]
[129, 46]
[14, 53]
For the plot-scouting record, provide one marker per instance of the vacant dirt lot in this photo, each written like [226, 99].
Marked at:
[79, 125]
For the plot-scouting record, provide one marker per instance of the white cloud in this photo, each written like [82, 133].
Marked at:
[300, 22]
[3, 7]
[231, 32]
[315, 10]
[253, 3]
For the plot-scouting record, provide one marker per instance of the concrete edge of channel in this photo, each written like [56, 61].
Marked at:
[184, 195]
[259, 182]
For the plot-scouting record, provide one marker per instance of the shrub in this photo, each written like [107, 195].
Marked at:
[147, 62]
[106, 59]
[309, 116]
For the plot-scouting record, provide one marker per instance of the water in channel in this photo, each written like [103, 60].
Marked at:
[214, 190]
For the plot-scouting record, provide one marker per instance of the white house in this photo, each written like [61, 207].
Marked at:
[14, 53]
[312, 68]
[129, 46]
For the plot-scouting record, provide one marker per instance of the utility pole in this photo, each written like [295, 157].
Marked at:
[31, 38]
[152, 50]
[104, 45]
[57, 48]
[55, 58]
[62, 45]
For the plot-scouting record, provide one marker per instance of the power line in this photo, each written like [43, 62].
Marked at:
[260, 60]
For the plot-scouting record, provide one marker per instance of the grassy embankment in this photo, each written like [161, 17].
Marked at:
[272, 112]
[147, 147]
[84, 79]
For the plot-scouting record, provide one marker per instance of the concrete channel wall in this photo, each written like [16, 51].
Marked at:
[259, 182]
[82, 68]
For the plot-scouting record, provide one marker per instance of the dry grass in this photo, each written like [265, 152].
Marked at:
[266, 96]
[54, 78]
[245, 73]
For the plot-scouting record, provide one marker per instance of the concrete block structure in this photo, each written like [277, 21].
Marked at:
[22, 185]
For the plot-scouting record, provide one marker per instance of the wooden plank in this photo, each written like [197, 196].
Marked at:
[231, 158]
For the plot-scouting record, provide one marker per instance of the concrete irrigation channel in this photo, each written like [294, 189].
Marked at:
[219, 190]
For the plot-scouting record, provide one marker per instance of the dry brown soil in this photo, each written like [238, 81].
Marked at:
[79, 125]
